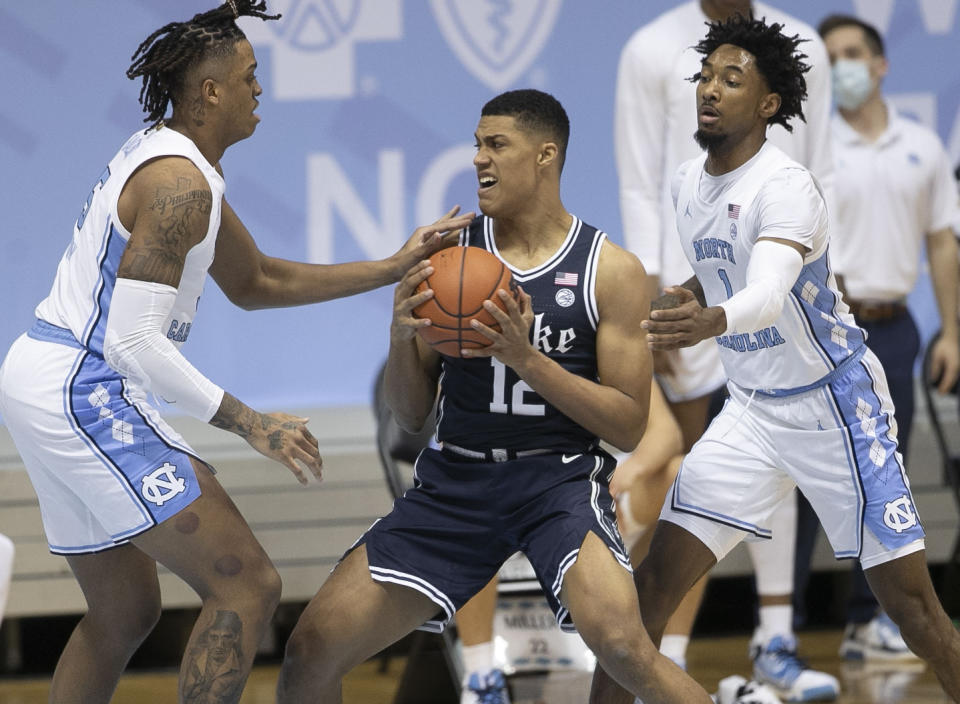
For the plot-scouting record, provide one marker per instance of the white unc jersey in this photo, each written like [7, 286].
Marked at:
[80, 298]
[719, 220]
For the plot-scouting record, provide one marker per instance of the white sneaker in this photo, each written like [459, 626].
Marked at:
[488, 687]
[737, 690]
[878, 639]
[776, 664]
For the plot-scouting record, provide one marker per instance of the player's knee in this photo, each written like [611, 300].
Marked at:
[620, 650]
[127, 620]
[917, 613]
[310, 648]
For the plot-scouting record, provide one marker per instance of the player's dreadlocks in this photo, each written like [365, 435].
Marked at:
[777, 58]
[164, 58]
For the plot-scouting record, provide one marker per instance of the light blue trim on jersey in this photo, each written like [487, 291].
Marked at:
[834, 339]
[848, 446]
[116, 245]
[45, 332]
[828, 378]
[882, 483]
[138, 451]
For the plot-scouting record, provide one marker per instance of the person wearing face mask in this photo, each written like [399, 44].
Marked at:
[894, 193]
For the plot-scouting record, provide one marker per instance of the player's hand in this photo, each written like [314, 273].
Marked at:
[945, 362]
[285, 438]
[405, 324]
[684, 324]
[511, 345]
[428, 239]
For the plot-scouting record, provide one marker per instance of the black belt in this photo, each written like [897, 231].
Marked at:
[875, 311]
[494, 454]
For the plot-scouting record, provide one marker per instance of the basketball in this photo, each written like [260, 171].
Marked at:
[462, 279]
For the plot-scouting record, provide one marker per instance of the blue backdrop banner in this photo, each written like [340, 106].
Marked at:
[368, 113]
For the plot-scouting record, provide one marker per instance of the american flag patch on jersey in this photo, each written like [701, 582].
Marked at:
[565, 279]
[733, 210]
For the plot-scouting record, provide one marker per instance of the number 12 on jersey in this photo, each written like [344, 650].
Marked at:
[517, 406]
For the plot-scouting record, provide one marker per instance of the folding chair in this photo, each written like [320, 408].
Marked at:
[538, 658]
[951, 464]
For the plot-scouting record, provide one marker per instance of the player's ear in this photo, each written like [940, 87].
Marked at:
[548, 153]
[770, 105]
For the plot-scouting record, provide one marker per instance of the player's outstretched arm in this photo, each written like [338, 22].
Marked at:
[253, 280]
[410, 377]
[616, 407]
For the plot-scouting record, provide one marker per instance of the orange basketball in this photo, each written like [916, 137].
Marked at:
[462, 279]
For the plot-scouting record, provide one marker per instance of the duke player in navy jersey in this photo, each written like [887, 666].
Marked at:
[119, 489]
[809, 404]
[519, 467]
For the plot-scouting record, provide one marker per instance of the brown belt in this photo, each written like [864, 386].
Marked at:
[874, 311]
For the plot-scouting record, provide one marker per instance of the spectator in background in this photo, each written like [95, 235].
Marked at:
[894, 193]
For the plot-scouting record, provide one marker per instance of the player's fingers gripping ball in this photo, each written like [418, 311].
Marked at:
[462, 279]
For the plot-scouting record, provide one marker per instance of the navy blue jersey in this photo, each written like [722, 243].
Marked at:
[483, 403]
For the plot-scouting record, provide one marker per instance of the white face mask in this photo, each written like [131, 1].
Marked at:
[851, 83]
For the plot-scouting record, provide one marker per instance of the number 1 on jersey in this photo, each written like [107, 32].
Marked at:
[722, 273]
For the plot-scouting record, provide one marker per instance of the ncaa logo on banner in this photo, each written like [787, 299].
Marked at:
[314, 44]
[496, 40]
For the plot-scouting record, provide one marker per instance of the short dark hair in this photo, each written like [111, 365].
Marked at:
[163, 58]
[534, 111]
[778, 60]
[870, 33]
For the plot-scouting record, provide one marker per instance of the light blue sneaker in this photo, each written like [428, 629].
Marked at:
[775, 663]
[488, 687]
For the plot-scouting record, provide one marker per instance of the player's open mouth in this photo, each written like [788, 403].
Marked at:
[487, 182]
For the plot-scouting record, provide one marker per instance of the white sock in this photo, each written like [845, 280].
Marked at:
[674, 646]
[477, 658]
[776, 621]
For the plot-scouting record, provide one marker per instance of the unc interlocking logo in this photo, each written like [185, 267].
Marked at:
[496, 40]
[898, 515]
[314, 43]
[162, 484]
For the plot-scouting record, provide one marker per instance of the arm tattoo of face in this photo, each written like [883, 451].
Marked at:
[215, 666]
[178, 218]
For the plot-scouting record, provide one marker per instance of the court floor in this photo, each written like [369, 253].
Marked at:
[710, 659]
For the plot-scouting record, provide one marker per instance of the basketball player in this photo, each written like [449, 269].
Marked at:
[652, 137]
[119, 490]
[808, 401]
[519, 466]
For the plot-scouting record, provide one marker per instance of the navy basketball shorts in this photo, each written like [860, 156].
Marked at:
[449, 535]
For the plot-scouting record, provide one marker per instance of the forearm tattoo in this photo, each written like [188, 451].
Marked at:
[234, 416]
[179, 217]
[215, 669]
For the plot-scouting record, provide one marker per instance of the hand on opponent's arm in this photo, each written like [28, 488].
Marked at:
[681, 321]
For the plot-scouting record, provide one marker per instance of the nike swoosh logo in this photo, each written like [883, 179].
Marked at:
[567, 459]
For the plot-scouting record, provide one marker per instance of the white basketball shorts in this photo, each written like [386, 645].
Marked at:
[836, 442]
[697, 371]
[104, 465]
